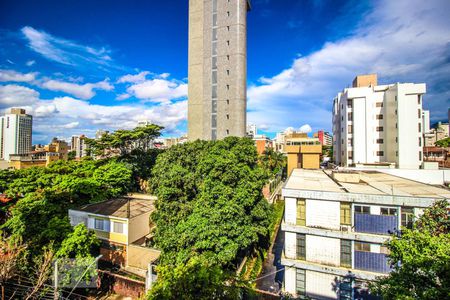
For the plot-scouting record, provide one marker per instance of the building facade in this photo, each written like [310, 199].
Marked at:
[335, 225]
[217, 70]
[16, 129]
[379, 124]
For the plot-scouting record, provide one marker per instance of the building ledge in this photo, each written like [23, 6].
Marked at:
[339, 271]
[355, 236]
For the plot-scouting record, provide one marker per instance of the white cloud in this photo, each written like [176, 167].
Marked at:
[16, 95]
[11, 75]
[30, 63]
[402, 41]
[158, 90]
[83, 91]
[140, 77]
[305, 128]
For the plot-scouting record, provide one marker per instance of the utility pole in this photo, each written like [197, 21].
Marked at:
[56, 293]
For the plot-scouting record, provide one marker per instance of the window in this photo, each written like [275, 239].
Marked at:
[345, 214]
[360, 246]
[359, 209]
[300, 284]
[346, 253]
[99, 224]
[379, 117]
[379, 104]
[301, 248]
[388, 211]
[350, 116]
[118, 227]
[407, 217]
[349, 103]
[350, 128]
[301, 212]
[350, 154]
[379, 128]
[380, 153]
[379, 141]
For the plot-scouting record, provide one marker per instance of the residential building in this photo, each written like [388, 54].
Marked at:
[122, 224]
[336, 223]
[302, 151]
[376, 125]
[217, 72]
[80, 146]
[16, 129]
[325, 138]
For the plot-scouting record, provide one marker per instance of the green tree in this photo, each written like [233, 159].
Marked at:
[420, 258]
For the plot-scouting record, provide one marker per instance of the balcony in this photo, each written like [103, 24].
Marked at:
[373, 262]
[377, 224]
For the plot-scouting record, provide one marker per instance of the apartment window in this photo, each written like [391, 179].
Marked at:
[388, 211]
[300, 281]
[350, 128]
[407, 217]
[419, 113]
[359, 209]
[301, 248]
[349, 103]
[350, 116]
[380, 153]
[420, 127]
[345, 214]
[350, 154]
[379, 128]
[379, 117]
[99, 224]
[379, 104]
[360, 246]
[346, 253]
[301, 212]
[379, 141]
[118, 227]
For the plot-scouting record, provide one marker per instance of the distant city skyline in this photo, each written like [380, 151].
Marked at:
[78, 67]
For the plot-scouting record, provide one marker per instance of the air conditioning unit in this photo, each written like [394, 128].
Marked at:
[346, 228]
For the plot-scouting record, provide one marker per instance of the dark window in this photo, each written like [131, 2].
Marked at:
[359, 209]
[346, 253]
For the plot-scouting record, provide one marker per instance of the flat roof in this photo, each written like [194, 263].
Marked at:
[362, 182]
[123, 207]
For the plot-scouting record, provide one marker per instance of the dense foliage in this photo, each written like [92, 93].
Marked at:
[42, 197]
[420, 258]
[210, 203]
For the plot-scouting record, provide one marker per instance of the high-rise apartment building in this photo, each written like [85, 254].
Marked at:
[15, 133]
[217, 71]
[336, 224]
[379, 124]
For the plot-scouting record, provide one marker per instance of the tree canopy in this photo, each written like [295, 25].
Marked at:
[420, 258]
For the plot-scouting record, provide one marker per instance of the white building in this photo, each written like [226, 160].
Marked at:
[15, 133]
[337, 222]
[379, 124]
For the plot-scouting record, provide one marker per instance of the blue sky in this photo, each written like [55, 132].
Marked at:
[79, 66]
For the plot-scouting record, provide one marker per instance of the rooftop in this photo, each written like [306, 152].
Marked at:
[124, 207]
[362, 182]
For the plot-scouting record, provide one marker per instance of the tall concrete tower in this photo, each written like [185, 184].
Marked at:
[217, 90]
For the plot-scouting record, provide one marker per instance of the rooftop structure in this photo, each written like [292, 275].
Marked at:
[336, 222]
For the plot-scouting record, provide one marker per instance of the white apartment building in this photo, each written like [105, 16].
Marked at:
[337, 222]
[379, 124]
[15, 133]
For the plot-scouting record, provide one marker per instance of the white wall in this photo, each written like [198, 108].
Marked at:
[320, 285]
[290, 245]
[323, 250]
[290, 210]
[325, 214]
